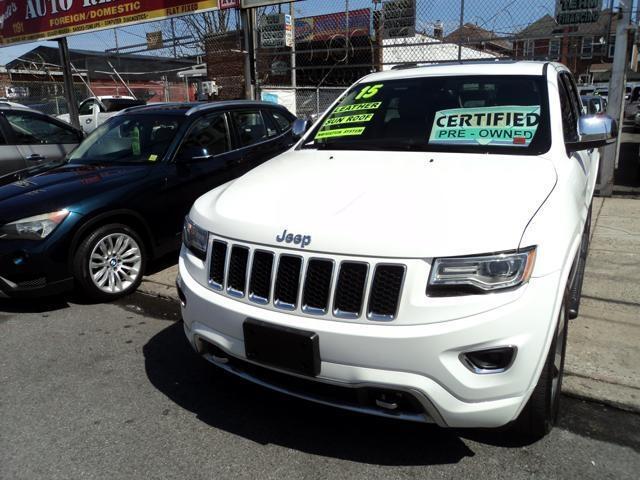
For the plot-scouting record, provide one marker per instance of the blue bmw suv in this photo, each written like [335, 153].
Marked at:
[119, 200]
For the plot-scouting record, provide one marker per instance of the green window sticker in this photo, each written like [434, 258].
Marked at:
[135, 141]
[365, 117]
[341, 132]
[369, 91]
[511, 125]
[356, 107]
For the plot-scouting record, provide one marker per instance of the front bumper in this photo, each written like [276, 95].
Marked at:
[31, 269]
[422, 359]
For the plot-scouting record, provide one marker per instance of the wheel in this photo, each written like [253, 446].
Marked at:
[110, 262]
[575, 289]
[541, 411]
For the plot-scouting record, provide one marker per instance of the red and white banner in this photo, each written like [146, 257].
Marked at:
[224, 4]
[24, 21]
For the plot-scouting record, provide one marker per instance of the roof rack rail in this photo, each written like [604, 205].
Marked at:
[405, 66]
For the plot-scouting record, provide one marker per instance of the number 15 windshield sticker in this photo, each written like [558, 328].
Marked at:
[511, 125]
[341, 121]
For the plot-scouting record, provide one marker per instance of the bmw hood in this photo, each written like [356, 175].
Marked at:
[386, 204]
[51, 189]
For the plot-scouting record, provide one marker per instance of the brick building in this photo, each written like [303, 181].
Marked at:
[587, 49]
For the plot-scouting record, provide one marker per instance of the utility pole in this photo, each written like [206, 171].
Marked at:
[617, 92]
[69, 91]
[461, 31]
[292, 12]
[247, 50]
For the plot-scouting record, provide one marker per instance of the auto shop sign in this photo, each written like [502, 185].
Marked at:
[24, 21]
[575, 12]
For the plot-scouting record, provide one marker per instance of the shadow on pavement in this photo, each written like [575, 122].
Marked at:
[628, 172]
[225, 402]
[34, 305]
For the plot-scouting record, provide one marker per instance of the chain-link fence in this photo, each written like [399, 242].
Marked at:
[318, 48]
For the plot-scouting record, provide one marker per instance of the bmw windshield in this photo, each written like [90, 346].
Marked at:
[128, 139]
[474, 114]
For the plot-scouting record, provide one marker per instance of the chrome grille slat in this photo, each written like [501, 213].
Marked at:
[287, 287]
[317, 286]
[237, 271]
[312, 285]
[217, 264]
[261, 278]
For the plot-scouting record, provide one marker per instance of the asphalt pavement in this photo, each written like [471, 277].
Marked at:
[114, 391]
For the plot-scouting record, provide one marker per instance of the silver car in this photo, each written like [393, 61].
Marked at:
[29, 138]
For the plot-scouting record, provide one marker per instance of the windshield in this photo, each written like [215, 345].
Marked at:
[475, 114]
[128, 139]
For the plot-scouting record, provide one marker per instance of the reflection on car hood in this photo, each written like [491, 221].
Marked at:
[387, 204]
[61, 187]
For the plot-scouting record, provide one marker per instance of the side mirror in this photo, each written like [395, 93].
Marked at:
[594, 131]
[192, 153]
[299, 128]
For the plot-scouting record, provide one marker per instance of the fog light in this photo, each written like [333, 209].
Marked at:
[492, 360]
[181, 295]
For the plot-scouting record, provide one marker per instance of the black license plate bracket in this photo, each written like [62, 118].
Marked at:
[285, 348]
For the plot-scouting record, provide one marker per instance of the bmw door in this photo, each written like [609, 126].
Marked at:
[40, 138]
[204, 160]
[257, 137]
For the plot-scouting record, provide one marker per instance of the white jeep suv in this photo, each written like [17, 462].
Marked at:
[416, 255]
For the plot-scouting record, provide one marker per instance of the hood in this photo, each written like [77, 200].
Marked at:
[386, 204]
[64, 186]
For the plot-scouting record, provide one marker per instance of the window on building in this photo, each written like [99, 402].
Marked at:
[554, 49]
[612, 45]
[528, 48]
[587, 47]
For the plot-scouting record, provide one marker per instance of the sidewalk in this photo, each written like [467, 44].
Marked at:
[603, 353]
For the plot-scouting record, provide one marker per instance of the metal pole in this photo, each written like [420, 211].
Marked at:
[248, 86]
[294, 79]
[461, 25]
[173, 33]
[254, 48]
[69, 91]
[617, 92]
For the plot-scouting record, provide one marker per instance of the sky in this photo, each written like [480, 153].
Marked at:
[502, 16]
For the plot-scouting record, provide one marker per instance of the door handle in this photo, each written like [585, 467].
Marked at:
[36, 158]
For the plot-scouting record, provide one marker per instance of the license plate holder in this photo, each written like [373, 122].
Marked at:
[290, 349]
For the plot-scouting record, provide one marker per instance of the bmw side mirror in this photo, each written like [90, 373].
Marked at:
[594, 131]
[299, 128]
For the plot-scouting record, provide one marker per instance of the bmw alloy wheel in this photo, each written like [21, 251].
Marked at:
[115, 263]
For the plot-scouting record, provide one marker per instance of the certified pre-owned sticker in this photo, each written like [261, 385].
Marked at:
[511, 125]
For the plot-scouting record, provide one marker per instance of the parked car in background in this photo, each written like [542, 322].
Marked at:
[593, 104]
[417, 255]
[95, 111]
[120, 198]
[29, 138]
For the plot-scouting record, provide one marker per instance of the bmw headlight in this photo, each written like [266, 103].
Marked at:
[195, 238]
[483, 273]
[33, 228]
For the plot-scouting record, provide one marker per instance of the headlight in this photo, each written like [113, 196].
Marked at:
[33, 228]
[483, 273]
[195, 238]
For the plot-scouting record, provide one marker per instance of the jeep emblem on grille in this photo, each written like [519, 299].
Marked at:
[296, 239]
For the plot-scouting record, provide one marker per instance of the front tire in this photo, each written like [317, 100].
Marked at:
[110, 262]
[540, 413]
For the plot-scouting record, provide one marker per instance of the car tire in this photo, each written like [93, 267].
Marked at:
[575, 290]
[540, 413]
[110, 262]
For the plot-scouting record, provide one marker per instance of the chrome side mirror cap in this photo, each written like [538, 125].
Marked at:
[594, 131]
[299, 128]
